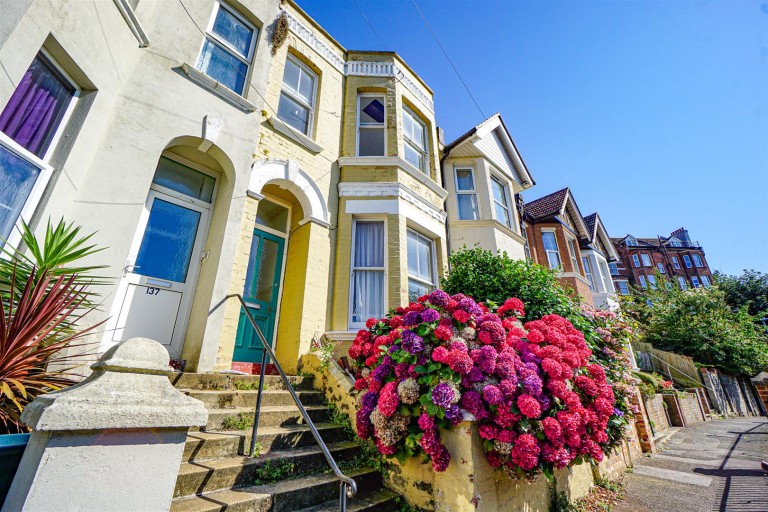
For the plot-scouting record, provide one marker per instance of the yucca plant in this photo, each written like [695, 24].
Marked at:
[45, 310]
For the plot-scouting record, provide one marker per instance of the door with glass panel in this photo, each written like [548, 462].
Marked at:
[158, 284]
[261, 293]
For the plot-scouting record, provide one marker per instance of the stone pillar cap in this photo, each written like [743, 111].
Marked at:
[760, 378]
[128, 389]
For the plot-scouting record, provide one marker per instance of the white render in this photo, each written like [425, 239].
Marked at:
[88, 439]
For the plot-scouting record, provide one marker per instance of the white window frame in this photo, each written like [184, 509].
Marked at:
[674, 242]
[614, 268]
[505, 191]
[661, 268]
[695, 281]
[359, 126]
[571, 242]
[636, 260]
[46, 170]
[647, 261]
[632, 242]
[433, 257]
[625, 289]
[607, 281]
[526, 245]
[294, 95]
[215, 39]
[352, 268]
[698, 261]
[425, 136]
[643, 281]
[652, 281]
[548, 251]
[705, 282]
[682, 282]
[687, 261]
[588, 273]
[675, 263]
[473, 192]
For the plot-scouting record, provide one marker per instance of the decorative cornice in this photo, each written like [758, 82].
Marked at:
[391, 189]
[393, 161]
[358, 68]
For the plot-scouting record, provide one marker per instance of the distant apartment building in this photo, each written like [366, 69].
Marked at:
[644, 260]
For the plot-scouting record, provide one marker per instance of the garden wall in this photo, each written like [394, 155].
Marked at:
[683, 409]
[657, 415]
[731, 396]
[679, 368]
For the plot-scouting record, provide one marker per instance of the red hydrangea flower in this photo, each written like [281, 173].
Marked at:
[529, 406]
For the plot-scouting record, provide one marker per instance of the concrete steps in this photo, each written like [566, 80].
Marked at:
[290, 473]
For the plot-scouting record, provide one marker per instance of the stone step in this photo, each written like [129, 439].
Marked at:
[222, 399]
[210, 445]
[284, 496]
[382, 500]
[240, 418]
[199, 477]
[231, 381]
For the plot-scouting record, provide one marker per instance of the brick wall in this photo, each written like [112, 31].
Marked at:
[663, 256]
[683, 409]
[642, 424]
[656, 414]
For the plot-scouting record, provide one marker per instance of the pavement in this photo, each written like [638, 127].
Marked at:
[712, 466]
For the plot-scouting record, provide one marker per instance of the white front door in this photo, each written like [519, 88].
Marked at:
[155, 295]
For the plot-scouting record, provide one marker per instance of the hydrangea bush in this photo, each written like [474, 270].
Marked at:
[538, 401]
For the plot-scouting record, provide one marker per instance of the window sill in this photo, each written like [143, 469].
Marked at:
[217, 88]
[394, 161]
[293, 134]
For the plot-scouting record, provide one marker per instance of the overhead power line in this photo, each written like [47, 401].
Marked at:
[371, 25]
[437, 40]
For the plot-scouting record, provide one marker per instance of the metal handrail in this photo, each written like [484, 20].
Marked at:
[348, 485]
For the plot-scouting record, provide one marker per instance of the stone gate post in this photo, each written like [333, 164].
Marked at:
[112, 442]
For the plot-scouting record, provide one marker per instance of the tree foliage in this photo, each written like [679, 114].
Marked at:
[750, 289]
[699, 323]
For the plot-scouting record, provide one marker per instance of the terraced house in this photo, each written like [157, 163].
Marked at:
[222, 148]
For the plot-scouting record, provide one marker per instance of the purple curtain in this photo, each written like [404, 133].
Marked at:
[36, 107]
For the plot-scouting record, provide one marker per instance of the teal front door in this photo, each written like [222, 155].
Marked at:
[261, 293]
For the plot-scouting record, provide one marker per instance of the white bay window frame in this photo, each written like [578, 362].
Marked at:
[471, 194]
[431, 282]
[422, 151]
[646, 260]
[574, 255]
[503, 205]
[550, 252]
[588, 273]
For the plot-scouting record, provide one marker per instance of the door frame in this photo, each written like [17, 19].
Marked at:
[195, 262]
[286, 237]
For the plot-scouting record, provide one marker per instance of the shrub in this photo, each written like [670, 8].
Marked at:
[539, 404]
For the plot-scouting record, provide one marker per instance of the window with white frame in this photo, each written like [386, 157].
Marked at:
[415, 141]
[31, 124]
[466, 194]
[588, 272]
[687, 261]
[368, 272]
[500, 202]
[652, 282]
[681, 282]
[636, 260]
[526, 245]
[631, 242]
[643, 282]
[697, 261]
[646, 260]
[675, 263]
[550, 247]
[297, 96]
[661, 268]
[228, 47]
[695, 281]
[371, 125]
[607, 282]
[573, 253]
[623, 287]
[614, 268]
[705, 281]
[421, 272]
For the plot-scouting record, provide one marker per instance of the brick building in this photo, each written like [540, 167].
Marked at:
[554, 229]
[644, 260]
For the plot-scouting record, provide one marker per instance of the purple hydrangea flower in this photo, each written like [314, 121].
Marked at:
[454, 415]
[617, 412]
[412, 342]
[439, 298]
[411, 318]
[492, 395]
[380, 372]
[443, 395]
[470, 306]
[430, 315]
[532, 385]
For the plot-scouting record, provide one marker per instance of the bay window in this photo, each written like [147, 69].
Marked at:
[697, 261]
[368, 272]
[526, 246]
[614, 268]
[500, 202]
[421, 273]
[623, 287]
[636, 260]
[643, 282]
[30, 126]
[371, 125]
[705, 281]
[588, 272]
[550, 247]
[606, 278]
[682, 283]
[695, 281]
[228, 48]
[652, 281]
[415, 141]
[687, 261]
[675, 263]
[573, 253]
[661, 268]
[297, 97]
[466, 194]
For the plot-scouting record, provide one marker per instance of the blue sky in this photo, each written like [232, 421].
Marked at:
[654, 113]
